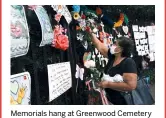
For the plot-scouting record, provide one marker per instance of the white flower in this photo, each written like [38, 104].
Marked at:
[95, 30]
[89, 64]
[92, 63]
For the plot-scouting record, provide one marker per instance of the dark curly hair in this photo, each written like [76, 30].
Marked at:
[127, 46]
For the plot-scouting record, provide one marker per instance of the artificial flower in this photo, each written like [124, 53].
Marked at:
[83, 16]
[89, 64]
[95, 30]
[82, 23]
[76, 8]
[58, 17]
[87, 29]
[98, 11]
[61, 42]
[76, 16]
[58, 30]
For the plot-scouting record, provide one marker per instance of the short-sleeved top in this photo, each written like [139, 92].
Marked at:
[127, 65]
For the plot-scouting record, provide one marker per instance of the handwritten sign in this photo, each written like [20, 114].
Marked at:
[135, 28]
[141, 40]
[20, 89]
[47, 32]
[59, 78]
[19, 32]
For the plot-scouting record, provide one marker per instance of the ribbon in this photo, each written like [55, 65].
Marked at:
[87, 83]
[103, 97]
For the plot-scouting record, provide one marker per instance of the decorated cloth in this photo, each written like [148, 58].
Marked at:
[19, 32]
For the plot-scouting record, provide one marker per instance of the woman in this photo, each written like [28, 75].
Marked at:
[119, 63]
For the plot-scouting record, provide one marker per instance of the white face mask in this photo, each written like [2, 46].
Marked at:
[112, 49]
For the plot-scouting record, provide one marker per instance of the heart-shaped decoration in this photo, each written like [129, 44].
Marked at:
[14, 87]
[125, 29]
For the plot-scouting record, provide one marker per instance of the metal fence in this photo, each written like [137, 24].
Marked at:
[37, 59]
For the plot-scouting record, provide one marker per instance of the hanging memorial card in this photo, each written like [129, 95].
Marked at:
[19, 32]
[135, 28]
[63, 10]
[136, 35]
[20, 89]
[152, 56]
[59, 78]
[151, 38]
[47, 32]
[141, 41]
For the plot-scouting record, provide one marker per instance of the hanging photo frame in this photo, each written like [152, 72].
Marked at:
[47, 32]
[19, 32]
[20, 89]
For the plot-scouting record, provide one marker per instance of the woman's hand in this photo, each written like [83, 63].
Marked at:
[103, 84]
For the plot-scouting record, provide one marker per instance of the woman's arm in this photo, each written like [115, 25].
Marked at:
[100, 46]
[130, 82]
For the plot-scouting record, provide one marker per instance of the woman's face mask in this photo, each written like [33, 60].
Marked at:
[114, 50]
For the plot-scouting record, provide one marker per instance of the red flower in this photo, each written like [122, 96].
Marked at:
[87, 29]
[83, 16]
[61, 42]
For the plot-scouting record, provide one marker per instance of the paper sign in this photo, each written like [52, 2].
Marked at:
[137, 42]
[142, 29]
[142, 35]
[47, 32]
[59, 78]
[152, 48]
[136, 35]
[20, 89]
[135, 28]
[145, 41]
[152, 56]
[151, 39]
[151, 30]
[141, 41]
[19, 32]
